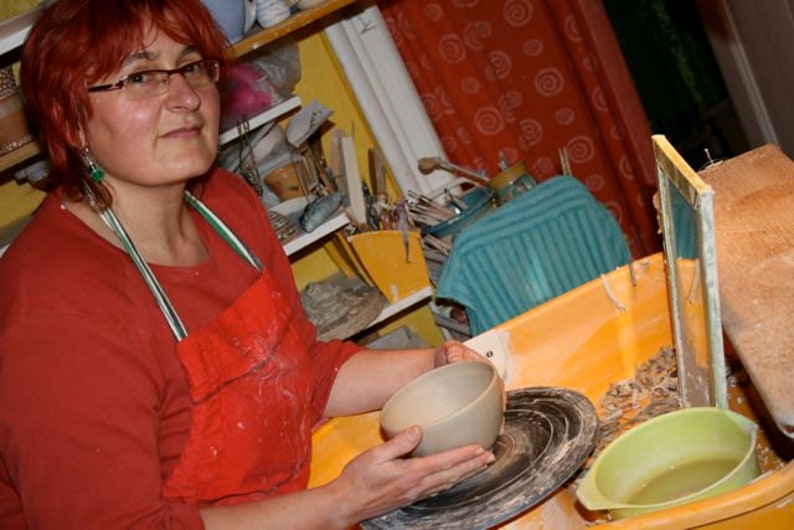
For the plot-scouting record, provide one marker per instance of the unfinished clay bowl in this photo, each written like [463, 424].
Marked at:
[455, 405]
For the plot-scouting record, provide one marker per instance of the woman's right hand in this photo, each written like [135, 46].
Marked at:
[382, 479]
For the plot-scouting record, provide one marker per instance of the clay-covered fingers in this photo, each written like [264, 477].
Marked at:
[453, 351]
[455, 466]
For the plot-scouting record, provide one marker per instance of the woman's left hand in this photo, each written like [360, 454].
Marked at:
[453, 351]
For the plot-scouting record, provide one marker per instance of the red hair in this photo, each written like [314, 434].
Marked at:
[76, 43]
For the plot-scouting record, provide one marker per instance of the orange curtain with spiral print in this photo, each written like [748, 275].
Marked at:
[522, 79]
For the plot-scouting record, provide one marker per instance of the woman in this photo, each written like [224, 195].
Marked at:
[156, 367]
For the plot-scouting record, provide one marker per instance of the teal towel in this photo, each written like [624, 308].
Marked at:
[541, 244]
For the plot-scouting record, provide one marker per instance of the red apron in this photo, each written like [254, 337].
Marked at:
[250, 383]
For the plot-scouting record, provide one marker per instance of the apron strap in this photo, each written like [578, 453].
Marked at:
[224, 231]
[166, 307]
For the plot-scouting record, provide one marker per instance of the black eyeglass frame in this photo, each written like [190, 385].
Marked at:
[121, 83]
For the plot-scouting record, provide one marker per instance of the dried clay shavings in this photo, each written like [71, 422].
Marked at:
[651, 392]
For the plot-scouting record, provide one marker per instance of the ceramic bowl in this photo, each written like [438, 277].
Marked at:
[672, 459]
[455, 405]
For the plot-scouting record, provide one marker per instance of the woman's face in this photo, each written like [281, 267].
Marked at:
[161, 139]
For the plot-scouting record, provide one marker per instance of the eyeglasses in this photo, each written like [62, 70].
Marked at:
[148, 83]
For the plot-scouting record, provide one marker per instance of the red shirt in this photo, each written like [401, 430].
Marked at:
[94, 404]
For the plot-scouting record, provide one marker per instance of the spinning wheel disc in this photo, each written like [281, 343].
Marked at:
[549, 432]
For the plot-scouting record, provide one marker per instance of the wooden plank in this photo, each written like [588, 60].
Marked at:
[754, 226]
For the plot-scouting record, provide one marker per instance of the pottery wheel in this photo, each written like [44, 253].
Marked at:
[549, 433]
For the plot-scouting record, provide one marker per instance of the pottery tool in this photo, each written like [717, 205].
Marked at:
[378, 204]
[565, 161]
[355, 194]
[435, 243]
[459, 204]
[431, 163]
[377, 172]
[335, 156]
[403, 222]
[423, 206]
[316, 157]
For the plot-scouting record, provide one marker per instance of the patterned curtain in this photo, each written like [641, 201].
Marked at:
[523, 79]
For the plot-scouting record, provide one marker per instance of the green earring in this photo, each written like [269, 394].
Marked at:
[95, 173]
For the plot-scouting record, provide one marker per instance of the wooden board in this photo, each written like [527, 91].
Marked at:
[754, 226]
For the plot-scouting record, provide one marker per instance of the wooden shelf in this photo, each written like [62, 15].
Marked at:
[327, 228]
[260, 37]
[401, 305]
